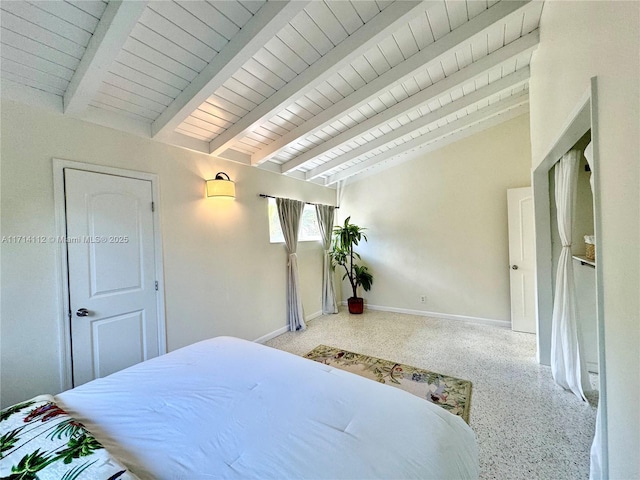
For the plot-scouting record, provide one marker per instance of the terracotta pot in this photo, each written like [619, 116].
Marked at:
[356, 305]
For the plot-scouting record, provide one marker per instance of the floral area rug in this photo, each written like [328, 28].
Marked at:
[452, 394]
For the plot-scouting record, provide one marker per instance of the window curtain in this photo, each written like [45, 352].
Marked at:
[595, 471]
[326, 215]
[290, 212]
[567, 365]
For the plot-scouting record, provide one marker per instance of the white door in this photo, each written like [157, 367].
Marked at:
[522, 259]
[111, 265]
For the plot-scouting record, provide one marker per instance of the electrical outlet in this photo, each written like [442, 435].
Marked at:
[423, 299]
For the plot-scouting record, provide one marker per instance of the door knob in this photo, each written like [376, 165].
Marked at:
[82, 312]
[515, 267]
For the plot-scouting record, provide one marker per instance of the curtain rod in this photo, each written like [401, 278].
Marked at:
[264, 195]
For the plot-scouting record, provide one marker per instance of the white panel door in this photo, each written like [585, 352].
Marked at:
[112, 291]
[522, 259]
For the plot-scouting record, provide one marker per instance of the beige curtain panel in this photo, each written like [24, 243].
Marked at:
[325, 214]
[290, 213]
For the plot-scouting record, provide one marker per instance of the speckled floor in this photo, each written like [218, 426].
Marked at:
[527, 426]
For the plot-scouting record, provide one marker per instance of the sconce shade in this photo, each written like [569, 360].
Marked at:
[221, 186]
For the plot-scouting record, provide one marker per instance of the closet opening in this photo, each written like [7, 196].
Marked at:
[580, 130]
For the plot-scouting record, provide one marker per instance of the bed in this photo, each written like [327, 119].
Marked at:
[229, 408]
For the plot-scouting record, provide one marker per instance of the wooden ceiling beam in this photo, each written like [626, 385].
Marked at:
[419, 100]
[367, 36]
[267, 22]
[420, 61]
[509, 82]
[105, 44]
[478, 121]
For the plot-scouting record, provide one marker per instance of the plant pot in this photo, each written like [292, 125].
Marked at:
[356, 305]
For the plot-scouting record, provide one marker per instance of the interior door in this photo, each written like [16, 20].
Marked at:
[111, 264]
[522, 259]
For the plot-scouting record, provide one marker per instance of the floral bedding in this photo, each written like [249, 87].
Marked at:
[40, 441]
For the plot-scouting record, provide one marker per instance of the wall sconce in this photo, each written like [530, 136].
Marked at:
[221, 186]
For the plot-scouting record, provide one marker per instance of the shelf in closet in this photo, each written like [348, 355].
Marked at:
[584, 260]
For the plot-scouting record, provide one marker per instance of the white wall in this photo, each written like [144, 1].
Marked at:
[437, 225]
[222, 276]
[580, 40]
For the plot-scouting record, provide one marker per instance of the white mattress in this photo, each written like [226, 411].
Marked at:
[228, 408]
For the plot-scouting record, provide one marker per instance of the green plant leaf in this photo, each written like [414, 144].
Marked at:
[77, 447]
[8, 440]
[30, 465]
[69, 428]
[76, 471]
[345, 238]
[7, 412]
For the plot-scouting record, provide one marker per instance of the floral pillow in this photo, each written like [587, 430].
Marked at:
[40, 441]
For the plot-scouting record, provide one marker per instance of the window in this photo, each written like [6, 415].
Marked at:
[309, 231]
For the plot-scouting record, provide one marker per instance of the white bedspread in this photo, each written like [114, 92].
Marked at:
[228, 408]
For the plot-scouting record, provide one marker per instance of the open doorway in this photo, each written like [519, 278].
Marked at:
[582, 124]
[583, 260]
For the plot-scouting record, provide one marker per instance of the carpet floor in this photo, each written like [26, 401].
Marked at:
[527, 426]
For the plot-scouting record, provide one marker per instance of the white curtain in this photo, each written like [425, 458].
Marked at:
[290, 212]
[595, 472]
[588, 154]
[326, 215]
[567, 365]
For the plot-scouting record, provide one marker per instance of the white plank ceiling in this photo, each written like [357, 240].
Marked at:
[319, 90]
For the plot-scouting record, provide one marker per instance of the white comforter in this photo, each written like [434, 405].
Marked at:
[228, 408]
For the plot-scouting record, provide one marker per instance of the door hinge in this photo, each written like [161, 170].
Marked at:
[156, 285]
[153, 206]
[69, 314]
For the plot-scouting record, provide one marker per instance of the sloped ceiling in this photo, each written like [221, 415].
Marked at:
[318, 90]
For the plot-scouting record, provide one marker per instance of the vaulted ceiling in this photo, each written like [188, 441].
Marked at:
[317, 90]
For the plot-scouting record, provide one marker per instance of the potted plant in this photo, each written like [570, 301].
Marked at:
[345, 238]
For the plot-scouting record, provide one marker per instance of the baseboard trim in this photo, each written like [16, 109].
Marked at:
[274, 334]
[308, 318]
[446, 316]
[281, 330]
